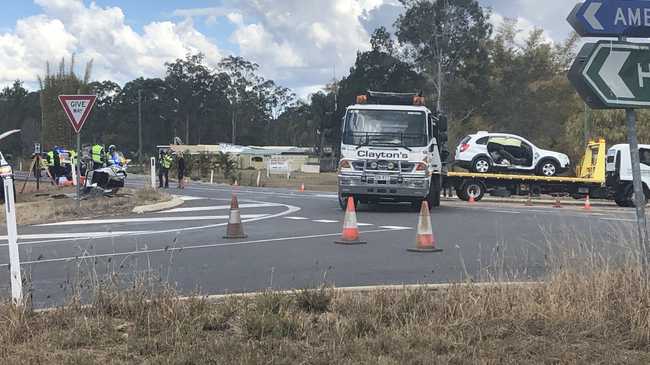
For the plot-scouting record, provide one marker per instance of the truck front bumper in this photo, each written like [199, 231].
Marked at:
[393, 187]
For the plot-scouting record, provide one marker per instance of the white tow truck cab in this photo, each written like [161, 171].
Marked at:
[391, 150]
[618, 173]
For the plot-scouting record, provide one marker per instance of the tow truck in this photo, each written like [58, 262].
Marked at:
[602, 174]
[392, 149]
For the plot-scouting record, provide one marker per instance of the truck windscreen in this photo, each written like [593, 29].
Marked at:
[385, 127]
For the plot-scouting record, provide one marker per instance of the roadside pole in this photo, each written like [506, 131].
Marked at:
[78, 168]
[639, 195]
[152, 169]
[12, 237]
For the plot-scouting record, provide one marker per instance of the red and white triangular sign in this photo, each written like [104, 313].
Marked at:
[77, 108]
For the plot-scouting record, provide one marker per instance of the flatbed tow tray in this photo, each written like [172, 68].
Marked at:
[527, 178]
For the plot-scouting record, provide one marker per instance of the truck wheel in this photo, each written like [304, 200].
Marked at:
[472, 188]
[343, 202]
[433, 199]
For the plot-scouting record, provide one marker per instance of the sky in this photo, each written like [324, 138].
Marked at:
[300, 44]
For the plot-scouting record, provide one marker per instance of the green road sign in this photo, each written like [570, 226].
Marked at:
[613, 75]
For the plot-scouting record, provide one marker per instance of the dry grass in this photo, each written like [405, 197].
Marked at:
[577, 316]
[325, 181]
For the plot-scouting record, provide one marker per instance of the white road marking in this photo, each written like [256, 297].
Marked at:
[364, 224]
[147, 220]
[618, 219]
[505, 211]
[193, 247]
[325, 221]
[297, 218]
[329, 196]
[188, 198]
[218, 207]
[290, 210]
[73, 235]
[396, 228]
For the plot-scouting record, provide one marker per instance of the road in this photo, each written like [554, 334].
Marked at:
[290, 243]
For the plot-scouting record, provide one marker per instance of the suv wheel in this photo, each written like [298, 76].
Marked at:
[548, 168]
[481, 165]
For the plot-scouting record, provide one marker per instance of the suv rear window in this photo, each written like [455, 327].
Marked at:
[483, 140]
[464, 140]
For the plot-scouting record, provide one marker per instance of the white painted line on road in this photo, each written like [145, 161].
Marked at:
[217, 207]
[297, 218]
[290, 210]
[325, 221]
[188, 198]
[193, 247]
[364, 224]
[146, 220]
[329, 196]
[618, 219]
[73, 235]
[505, 211]
[396, 228]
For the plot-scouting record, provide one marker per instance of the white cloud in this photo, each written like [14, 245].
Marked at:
[100, 33]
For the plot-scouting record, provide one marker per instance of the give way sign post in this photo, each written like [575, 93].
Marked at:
[77, 108]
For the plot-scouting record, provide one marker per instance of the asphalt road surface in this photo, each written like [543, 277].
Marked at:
[290, 244]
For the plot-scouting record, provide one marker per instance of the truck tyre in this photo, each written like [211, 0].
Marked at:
[433, 199]
[343, 202]
[629, 196]
[548, 168]
[472, 188]
[481, 165]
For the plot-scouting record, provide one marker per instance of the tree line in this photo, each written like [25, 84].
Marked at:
[482, 77]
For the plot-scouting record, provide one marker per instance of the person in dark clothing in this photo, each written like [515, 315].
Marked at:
[164, 164]
[180, 165]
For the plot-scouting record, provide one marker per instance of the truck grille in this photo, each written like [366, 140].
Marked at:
[382, 165]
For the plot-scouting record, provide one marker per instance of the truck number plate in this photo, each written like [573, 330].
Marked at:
[381, 177]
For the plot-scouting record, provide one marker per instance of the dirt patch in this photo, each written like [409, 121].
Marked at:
[595, 318]
[55, 204]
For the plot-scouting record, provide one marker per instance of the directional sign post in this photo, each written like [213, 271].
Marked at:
[616, 75]
[611, 18]
[77, 108]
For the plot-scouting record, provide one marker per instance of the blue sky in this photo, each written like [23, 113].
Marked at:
[298, 43]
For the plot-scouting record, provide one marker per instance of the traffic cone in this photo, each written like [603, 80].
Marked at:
[471, 199]
[235, 228]
[236, 183]
[302, 188]
[425, 241]
[557, 203]
[587, 204]
[350, 234]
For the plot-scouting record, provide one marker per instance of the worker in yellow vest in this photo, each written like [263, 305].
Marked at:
[164, 165]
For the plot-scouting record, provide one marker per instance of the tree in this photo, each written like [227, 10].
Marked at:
[446, 40]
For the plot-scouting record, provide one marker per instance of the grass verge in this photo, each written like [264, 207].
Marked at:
[576, 316]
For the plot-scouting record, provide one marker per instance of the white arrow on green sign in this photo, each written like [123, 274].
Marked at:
[618, 74]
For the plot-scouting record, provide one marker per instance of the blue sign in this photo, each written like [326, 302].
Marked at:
[611, 18]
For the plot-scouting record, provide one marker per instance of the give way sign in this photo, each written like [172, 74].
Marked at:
[77, 108]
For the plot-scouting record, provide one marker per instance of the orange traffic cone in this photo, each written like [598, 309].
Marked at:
[302, 188]
[587, 204]
[235, 228]
[557, 203]
[350, 234]
[472, 200]
[425, 241]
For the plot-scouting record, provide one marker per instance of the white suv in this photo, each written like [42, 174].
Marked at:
[490, 152]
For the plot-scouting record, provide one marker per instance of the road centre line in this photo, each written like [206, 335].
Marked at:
[324, 221]
[146, 220]
[297, 218]
[193, 247]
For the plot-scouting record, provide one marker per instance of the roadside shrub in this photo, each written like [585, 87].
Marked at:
[314, 300]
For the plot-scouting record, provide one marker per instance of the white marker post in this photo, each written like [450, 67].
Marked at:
[152, 168]
[259, 178]
[12, 237]
[211, 176]
[74, 174]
